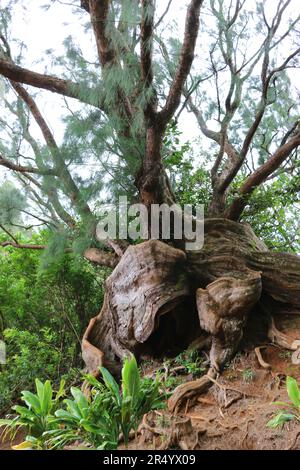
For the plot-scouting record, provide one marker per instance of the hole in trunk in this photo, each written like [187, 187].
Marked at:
[174, 331]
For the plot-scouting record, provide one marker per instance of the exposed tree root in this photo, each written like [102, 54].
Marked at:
[277, 337]
[292, 445]
[262, 363]
[159, 296]
[189, 389]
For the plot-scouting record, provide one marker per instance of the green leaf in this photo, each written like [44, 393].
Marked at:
[6, 422]
[131, 382]
[111, 384]
[73, 408]
[280, 403]
[293, 391]
[80, 399]
[31, 401]
[280, 419]
[45, 394]
[61, 391]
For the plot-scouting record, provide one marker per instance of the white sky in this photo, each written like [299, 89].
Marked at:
[41, 30]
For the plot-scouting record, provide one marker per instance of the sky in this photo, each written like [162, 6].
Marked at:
[41, 30]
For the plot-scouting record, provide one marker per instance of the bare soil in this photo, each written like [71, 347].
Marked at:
[233, 414]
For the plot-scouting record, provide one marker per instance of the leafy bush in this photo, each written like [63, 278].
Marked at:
[97, 421]
[43, 315]
[35, 416]
[292, 411]
[110, 412]
[31, 355]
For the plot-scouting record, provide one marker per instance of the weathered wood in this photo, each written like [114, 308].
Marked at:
[223, 308]
[226, 278]
[149, 281]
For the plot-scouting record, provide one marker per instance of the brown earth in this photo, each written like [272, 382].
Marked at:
[233, 414]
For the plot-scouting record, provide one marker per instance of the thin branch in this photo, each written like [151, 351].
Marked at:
[8, 233]
[259, 176]
[185, 62]
[23, 245]
[47, 82]
[163, 15]
[25, 169]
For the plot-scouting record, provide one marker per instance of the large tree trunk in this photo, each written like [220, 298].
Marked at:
[159, 298]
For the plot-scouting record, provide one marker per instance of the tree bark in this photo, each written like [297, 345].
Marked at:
[161, 296]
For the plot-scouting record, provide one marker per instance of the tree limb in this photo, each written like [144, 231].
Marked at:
[234, 211]
[185, 62]
[93, 255]
[25, 169]
[47, 82]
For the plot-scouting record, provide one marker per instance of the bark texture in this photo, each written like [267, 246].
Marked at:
[157, 291]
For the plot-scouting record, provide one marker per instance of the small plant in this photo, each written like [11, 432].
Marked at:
[192, 362]
[110, 411]
[35, 416]
[172, 382]
[292, 411]
[248, 375]
[285, 354]
[91, 421]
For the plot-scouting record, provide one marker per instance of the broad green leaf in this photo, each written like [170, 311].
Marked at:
[61, 391]
[32, 401]
[73, 408]
[110, 383]
[131, 382]
[79, 397]
[293, 391]
[280, 419]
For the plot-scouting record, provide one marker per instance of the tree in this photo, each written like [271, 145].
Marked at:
[122, 130]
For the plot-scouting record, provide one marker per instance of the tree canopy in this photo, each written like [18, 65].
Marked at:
[232, 68]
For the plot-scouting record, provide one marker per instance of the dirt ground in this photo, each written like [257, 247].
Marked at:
[233, 414]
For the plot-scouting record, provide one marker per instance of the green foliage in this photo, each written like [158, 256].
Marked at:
[190, 183]
[110, 411]
[30, 355]
[35, 416]
[90, 421]
[96, 421]
[248, 375]
[43, 315]
[192, 362]
[292, 411]
[12, 202]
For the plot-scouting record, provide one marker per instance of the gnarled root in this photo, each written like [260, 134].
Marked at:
[223, 308]
[283, 340]
[189, 389]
